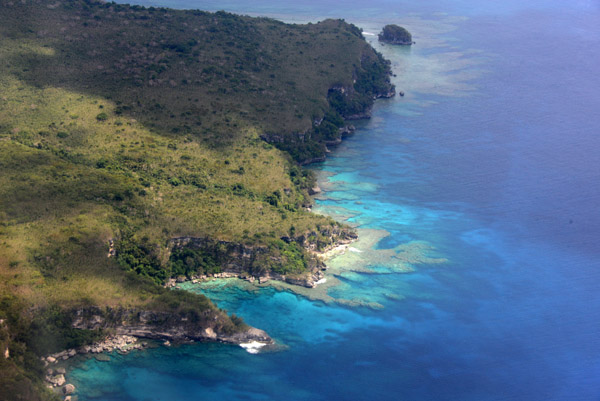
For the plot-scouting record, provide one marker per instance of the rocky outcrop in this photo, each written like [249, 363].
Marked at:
[56, 380]
[313, 160]
[68, 389]
[248, 261]
[395, 35]
[388, 94]
[355, 106]
[232, 257]
[363, 115]
[176, 327]
[325, 237]
[314, 190]
[346, 130]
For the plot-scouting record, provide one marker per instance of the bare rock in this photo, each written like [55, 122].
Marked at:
[315, 190]
[210, 333]
[57, 380]
[69, 389]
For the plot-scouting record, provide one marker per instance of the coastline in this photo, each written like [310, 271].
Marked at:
[58, 364]
[127, 338]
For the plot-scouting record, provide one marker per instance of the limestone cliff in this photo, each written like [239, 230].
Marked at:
[184, 326]
[267, 262]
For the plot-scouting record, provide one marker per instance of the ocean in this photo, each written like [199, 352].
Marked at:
[477, 276]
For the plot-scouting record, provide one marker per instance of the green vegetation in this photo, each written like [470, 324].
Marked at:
[395, 35]
[140, 125]
[189, 262]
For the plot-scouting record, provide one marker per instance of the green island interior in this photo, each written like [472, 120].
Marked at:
[138, 145]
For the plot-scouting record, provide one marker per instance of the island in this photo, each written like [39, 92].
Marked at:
[395, 35]
[141, 147]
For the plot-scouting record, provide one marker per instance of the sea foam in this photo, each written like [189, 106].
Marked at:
[252, 347]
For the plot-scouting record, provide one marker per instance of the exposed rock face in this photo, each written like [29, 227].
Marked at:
[57, 380]
[239, 260]
[68, 389]
[233, 257]
[395, 35]
[326, 237]
[313, 160]
[362, 113]
[314, 190]
[164, 325]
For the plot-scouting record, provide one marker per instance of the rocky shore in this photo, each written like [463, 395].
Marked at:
[251, 339]
[55, 363]
[308, 281]
[240, 259]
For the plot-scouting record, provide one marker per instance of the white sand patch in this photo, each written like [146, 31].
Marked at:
[353, 249]
[338, 250]
[252, 347]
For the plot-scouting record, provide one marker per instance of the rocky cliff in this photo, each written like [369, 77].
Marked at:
[184, 326]
[265, 262]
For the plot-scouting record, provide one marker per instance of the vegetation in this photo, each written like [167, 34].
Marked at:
[138, 125]
[395, 35]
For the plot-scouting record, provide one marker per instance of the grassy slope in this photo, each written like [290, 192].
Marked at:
[117, 119]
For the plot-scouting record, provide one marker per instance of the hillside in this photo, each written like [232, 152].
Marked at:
[124, 128]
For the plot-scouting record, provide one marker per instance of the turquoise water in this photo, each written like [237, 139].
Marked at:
[476, 195]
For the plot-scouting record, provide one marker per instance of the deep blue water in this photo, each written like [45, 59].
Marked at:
[491, 160]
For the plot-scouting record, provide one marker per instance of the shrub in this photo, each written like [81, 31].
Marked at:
[102, 116]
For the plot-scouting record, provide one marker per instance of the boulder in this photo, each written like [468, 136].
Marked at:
[315, 190]
[68, 389]
[57, 380]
